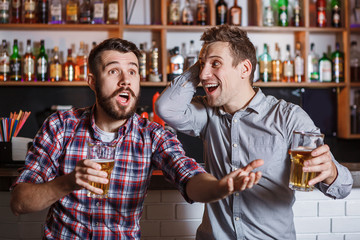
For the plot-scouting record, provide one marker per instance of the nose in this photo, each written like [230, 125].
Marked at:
[123, 79]
[205, 72]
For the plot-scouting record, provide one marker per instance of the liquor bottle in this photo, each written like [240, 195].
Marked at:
[29, 63]
[85, 12]
[298, 64]
[4, 63]
[265, 65]
[16, 10]
[221, 12]
[98, 7]
[283, 14]
[56, 12]
[176, 62]
[235, 13]
[268, 16]
[55, 67]
[296, 22]
[187, 14]
[354, 63]
[337, 58]
[42, 11]
[4, 11]
[276, 65]
[15, 63]
[321, 13]
[202, 13]
[191, 57]
[325, 69]
[112, 12]
[142, 63]
[174, 12]
[154, 64]
[72, 11]
[288, 65]
[69, 67]
[42, 63]
[81, 67]
[29, 11]
[335, 13]
[313, 64]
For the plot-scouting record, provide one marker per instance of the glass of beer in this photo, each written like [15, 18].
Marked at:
[103, 154]
[302, 145]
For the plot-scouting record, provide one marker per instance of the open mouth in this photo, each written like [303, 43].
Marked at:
[124, 97]
[211, 87]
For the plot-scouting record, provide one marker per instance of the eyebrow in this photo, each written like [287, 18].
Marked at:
[116, 62]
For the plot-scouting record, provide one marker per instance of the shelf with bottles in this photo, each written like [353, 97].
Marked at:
[56, 27]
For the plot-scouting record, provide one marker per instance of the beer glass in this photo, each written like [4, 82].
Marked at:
[302, 145]
[103, 154]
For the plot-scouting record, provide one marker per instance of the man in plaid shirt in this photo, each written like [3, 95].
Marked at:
[57, 172]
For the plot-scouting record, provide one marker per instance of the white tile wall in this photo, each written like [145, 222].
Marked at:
[168, 217]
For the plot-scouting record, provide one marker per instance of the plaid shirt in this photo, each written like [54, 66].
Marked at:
[141, 147]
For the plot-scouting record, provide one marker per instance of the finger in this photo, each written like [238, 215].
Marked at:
[320, 150]
[251, 181]
[91, 164]
[319, 178]
[258, 176]
[318, 165]
[230, 184]
[244, 183]
[253, 165]
[321, 159]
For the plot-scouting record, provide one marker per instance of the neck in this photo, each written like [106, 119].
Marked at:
[241, 100]
[105, 122]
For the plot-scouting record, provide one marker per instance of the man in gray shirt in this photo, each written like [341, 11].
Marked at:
[238, 124]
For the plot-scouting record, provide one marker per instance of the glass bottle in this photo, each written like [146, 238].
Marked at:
[191, 57]
[321, 13]
[288, 65]
[283, 14]
[221, 12]
[174, 12]
[15, 63]
[276, 65]
[29, 11]
[55, 67]
[335, 13]
[4, 63]
[337, 58]
[313, 64]
[142, 63]
[202, 13]
[56, 12]
[72, 11]
[29, 63]
[85, 12]
[42, 63]
[298, 64]
[42, 11]
[354, 63]
[297, 14]
[235, 14]
[176, 62]
[265, 65]
[81, 68]
[16, 11]
[112, 12]
[4, 11]
[187, 14]
[154, 64]
[69, 67]
[98, 7]
[325, 69]
[268, 16]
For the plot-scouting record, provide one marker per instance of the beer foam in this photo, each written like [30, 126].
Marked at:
[102, 160]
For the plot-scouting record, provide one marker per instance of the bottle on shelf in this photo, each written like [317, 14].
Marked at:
[221, 12]
[142, 63]
[235, 14]
[354, 63]
[42, 64]
[268, 15]
[4, 11]
[313, 64]
[154, 75]
[337, 58]
[85, 12]
[4, 63]
[112, 12]
[56, 12]
[43, 11]
[15, 63]
[298, 64]
[321, 13]
[296, 20]
[354, 119]
[191, 57]
[288, 65]
[265, 65]
[187, 16]
[72, 11]
[202, 13]
[56, 67]
[98, 7]
[69, 67]
[29, 63]
[276, 65]
[325, 69]
[29, 11]
[174, 12]
[283, 13]
[16, 11]
[81, 67]
[176, 62]
[335, 13]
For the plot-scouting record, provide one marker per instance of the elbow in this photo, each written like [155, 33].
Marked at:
[16, 207]
[161, 109]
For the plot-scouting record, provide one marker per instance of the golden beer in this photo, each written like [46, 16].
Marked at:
[107, 166]
[299, 179]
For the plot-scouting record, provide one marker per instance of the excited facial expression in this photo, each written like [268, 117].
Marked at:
[118, 84]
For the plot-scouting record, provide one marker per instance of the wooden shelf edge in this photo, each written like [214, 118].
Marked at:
[67, 27]
[69, 84]
[298, 85]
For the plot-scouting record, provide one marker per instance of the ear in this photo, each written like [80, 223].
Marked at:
[91, 81]
[245, 68]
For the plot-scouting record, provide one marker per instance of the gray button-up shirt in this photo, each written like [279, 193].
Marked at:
[262, 130]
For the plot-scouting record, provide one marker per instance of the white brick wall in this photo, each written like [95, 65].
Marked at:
[168, 217]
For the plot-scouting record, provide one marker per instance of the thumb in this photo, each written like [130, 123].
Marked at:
[230, 185]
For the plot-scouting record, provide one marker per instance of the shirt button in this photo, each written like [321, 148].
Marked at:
[237, 194]
[235, 120]
[96, 224]
[237, 219]
[97, 204]
[234, 145]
